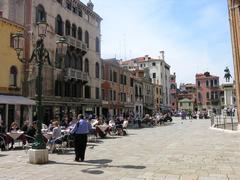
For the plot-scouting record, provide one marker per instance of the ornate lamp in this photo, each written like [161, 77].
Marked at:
[18, 44]
[40, 56]
[62, 46]
[42, 29]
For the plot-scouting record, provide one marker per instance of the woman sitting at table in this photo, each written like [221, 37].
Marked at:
[56, 134]
[14, 129]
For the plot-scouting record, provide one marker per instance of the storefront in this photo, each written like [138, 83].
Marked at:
[15, 108]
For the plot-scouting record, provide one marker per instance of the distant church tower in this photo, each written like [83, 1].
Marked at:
[90, 4]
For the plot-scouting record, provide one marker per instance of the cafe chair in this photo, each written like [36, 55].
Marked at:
[60, 144]
[2, 144]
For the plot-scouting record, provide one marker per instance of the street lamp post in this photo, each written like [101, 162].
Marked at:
[41, 56]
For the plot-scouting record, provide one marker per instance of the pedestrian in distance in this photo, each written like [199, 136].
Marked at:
[80, 132]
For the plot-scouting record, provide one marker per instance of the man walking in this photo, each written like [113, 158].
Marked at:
[80, 131]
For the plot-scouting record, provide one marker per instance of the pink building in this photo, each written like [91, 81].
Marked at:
[208, 91]
[173, 92]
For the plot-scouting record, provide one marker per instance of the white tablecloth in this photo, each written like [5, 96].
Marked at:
[15, 135]
[103, 127]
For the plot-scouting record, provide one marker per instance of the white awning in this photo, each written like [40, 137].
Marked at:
[16, 100]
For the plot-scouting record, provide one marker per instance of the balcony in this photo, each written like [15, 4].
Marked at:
[75, 74]
[77, 44]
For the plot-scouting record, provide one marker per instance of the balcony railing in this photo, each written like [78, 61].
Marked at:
[76, 43]
[75, 74]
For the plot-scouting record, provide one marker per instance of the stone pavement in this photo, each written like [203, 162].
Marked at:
[184, 150]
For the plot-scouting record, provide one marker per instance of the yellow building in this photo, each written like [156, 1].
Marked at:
[11, 71]
[234, 18]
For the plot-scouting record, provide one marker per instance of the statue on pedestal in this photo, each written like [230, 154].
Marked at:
[227, 75]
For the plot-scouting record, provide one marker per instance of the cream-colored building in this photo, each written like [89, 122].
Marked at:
[73, 85]
[185, 104]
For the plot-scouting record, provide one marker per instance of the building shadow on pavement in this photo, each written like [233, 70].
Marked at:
[97, 166]
[2, 155]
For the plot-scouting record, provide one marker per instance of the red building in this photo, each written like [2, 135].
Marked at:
[208, 91]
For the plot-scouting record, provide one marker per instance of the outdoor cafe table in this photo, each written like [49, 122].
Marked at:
[15, 135]
[103, 128]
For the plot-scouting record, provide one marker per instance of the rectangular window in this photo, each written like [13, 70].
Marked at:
[153, 64]
[124, 79]
[199, 83]
[111, 75]
[111, 95]
[87, 92]
[115, 76]
[103, 94]
[11, 41]
[154, 75]
[131, 82]
[114, 95]
[97, 93]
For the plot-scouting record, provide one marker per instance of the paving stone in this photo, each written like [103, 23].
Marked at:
[179, 151]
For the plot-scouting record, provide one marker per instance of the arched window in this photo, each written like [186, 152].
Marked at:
[79, 12]
[80, 63]
[207, 95]
[86, 66]
[68, 28]
[103, 73]
[75, 60]
[13, 76]
[59, 25]
[87, 38]
[97, 70]
[97, 45]
[59, 1]
[40, 13]
[67, 60]
[74, 30]
[80, 33]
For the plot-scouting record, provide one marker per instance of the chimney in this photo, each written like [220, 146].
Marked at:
[146, 57]
[162, 55]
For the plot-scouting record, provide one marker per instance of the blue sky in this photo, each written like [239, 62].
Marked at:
[194, 34]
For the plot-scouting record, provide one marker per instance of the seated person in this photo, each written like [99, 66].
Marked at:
[14, 128]
[25, 126]
[56, 134]
[65, 123]
[31, 132]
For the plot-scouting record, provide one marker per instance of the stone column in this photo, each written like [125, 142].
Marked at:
[235, 33]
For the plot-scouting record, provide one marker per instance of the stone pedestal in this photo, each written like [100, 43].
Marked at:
[38, 156]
